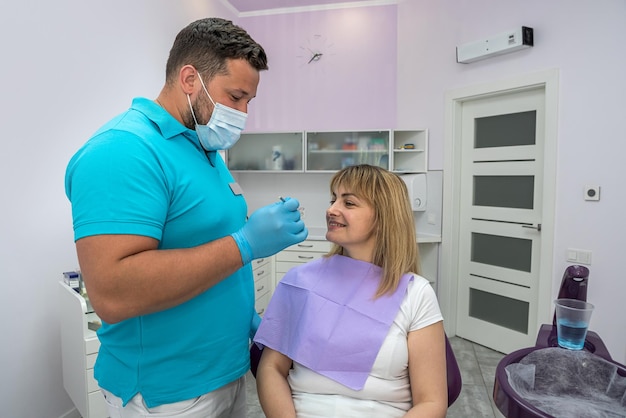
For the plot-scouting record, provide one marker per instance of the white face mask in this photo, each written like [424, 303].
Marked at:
[223, 129]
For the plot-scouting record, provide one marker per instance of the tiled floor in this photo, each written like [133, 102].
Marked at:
[478, 370]
[478, 367]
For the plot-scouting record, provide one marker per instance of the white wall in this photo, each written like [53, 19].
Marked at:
[67, 67]
[584, 41]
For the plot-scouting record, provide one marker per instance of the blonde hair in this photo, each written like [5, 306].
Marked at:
[396, 250]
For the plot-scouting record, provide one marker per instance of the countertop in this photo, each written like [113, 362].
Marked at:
[318, 233]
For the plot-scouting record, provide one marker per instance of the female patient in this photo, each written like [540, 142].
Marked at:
[357, 333]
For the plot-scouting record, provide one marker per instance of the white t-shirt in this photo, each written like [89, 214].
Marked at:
[387, 391]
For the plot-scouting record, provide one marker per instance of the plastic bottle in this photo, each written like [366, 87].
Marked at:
[277, 157]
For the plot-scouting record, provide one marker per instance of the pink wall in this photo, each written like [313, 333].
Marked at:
[352, 87]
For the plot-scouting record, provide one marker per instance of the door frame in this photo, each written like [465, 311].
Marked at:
[449, 262]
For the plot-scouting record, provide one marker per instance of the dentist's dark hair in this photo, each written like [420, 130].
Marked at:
[208, 43]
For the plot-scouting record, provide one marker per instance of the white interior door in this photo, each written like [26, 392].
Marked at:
[500, 218]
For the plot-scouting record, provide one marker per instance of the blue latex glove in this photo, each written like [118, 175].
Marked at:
[270, 229]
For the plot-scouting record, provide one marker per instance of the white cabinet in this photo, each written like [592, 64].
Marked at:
[79, 348]
[301, 253]
[402, 151]
[263, 283]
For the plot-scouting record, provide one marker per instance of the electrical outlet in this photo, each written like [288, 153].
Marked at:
[592, 193]
[302, 212]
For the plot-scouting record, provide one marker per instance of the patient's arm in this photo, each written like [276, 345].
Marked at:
[271, 381]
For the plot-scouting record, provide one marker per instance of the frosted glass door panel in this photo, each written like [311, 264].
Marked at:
[504, 191]
[500, 310]
[255, 152]
[502, 251]
[332, 151]
[506, 130]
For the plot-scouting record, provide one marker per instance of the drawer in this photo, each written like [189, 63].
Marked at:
[262, 286]
[321, 246]
[298, 256]
[259, 262]
[91, 360]
[92, 383]
[264, 270]
[92, 345]
[261, 303]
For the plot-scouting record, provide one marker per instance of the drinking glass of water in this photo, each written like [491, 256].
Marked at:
[572, 322]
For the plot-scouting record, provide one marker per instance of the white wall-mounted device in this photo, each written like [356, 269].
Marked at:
[513, 40]
[592, 193]
[416, 185]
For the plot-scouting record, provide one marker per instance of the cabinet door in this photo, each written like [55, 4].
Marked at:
[332, 151]
[268, 151]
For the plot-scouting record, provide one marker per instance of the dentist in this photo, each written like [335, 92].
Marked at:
[163, 239]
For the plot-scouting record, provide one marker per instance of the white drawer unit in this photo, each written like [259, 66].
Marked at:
[79, 349]
[301, 253]
[263, 283]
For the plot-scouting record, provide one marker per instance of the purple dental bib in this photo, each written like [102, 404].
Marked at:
[323, 315]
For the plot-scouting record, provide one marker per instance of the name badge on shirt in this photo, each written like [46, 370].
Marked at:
[236, 189]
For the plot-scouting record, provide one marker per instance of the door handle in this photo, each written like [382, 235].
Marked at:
[537, 227]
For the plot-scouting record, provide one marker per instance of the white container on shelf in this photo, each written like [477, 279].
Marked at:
[277, 157]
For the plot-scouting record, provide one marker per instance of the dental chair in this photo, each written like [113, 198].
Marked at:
[455, 382]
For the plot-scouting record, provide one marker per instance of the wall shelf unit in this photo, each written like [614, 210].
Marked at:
[401, 151]
[410, 151]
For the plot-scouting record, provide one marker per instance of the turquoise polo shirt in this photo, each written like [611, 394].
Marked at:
[143, 173]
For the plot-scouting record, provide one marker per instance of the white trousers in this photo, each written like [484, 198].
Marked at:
[339, 406]
[226, 402]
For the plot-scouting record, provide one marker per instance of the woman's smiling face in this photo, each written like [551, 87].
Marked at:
[350, 222]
